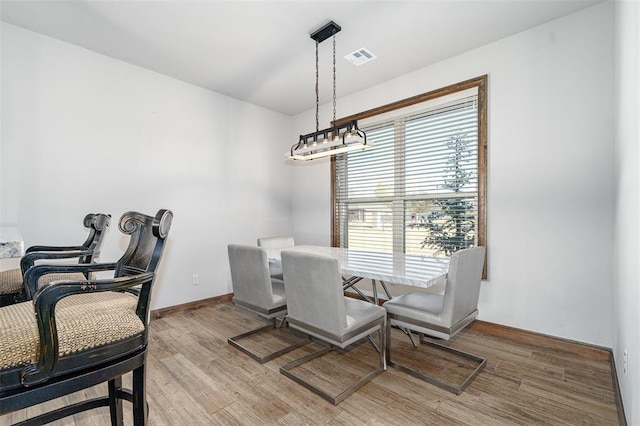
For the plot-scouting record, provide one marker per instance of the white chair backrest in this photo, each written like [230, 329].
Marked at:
[463, 283]
[250, 275]
[313, 287]
[276, 242]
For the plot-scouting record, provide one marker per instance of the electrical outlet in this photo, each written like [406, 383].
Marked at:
[625, 358]
[195, 279]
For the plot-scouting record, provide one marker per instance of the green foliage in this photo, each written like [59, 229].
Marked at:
[451, 226]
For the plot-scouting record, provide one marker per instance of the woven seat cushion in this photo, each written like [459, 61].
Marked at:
[11, 280]
[84, 321]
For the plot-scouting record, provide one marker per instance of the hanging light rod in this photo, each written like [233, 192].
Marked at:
[334, 140]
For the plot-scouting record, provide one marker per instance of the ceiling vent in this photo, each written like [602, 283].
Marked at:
[360, 56]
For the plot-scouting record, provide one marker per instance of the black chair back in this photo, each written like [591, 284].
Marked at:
[87, 252]
[97, 224]
[146, 242]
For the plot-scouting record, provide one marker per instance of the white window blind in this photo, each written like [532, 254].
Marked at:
[416, 191]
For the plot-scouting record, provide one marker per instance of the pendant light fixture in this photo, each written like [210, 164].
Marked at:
[333, 140]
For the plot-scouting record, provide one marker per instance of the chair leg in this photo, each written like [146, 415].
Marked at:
[457, 389]
[287, 370]
[409, 334]
[140, 407]
[234, 341]
[283, 320]
[388, 344]
[115, 403]
[383, 346]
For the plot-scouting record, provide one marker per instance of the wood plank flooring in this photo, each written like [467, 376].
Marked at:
[196, 378]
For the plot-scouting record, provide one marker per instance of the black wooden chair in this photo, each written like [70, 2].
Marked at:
[77, 334]
[12, 288]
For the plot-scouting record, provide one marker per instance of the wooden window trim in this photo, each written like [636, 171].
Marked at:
[481, 84]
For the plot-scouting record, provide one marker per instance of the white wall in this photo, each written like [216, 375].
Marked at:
[550, 176]
[82, 132]
[626, 294]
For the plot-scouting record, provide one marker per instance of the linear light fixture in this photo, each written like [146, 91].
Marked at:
[333, 140]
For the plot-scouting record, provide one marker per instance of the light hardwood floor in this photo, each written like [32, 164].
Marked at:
[196, 378]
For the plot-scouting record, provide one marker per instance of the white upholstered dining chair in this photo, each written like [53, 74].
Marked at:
[442, 316]
[276, 242]
[254, 290]
[283, 242]
[317, 307]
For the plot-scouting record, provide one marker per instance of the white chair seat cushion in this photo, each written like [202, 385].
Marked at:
[277, 287]
[425, 307]
[360, 312]
[359, 315]
[84, 321]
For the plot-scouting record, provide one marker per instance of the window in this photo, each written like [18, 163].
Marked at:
[421, 189]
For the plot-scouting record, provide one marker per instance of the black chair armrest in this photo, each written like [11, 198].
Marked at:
[33, 274]
[29, 259]
[45, 302]
[54, 248]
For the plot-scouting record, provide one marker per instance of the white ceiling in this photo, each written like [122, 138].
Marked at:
[260, 51]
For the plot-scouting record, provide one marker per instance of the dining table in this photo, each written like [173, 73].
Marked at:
[357, 264]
